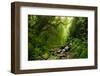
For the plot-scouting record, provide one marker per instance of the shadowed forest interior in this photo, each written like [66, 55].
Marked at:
[57, 37]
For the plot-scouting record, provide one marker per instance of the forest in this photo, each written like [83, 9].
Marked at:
[57, 37]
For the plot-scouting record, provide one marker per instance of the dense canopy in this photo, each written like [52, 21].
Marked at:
[57, 37]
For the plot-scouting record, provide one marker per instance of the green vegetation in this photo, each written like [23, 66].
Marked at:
[57, 37]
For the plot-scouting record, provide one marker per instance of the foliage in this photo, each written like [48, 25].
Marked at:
[48, 34]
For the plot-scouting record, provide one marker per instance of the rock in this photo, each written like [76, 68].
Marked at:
[59, 51]
[66, 47]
